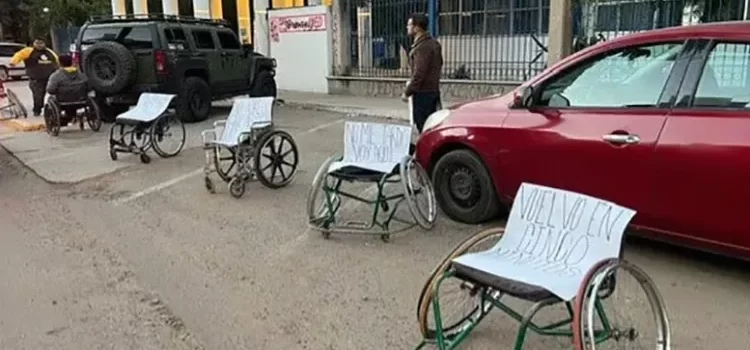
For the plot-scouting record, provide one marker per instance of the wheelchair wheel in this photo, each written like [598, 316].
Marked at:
[168, 136]
[459, 299]
[597, 323]
[225, 162]
[17, 108]
[276, 159]
[93, 114]
[420, 195]
[52, 118]
[316, 196]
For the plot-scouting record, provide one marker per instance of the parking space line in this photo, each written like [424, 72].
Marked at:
[159, 187]
[176, 180]
[57, 156]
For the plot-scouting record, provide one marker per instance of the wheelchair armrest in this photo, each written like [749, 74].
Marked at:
[220, 123]
[244, 136]
[206, 139]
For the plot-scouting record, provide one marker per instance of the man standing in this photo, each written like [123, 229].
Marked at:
[426, 62]
[40, 63]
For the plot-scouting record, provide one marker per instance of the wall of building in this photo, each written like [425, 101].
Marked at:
[300, 41]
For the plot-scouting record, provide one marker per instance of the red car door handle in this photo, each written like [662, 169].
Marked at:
[621, 139]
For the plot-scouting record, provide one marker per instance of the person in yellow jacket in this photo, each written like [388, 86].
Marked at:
[40, 63]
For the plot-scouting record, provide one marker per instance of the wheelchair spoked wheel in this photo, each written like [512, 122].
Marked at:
[17, 108]
[93, 115]
[420, 195]
[459, 300]
[225, 162]
[317, 209]
[168, 136]
[598, 324]
[52, 119]
[276, 159]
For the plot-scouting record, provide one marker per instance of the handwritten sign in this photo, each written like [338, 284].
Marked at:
[552, 238]
[296, 24]
[149, 107]
[246, 113]
[374, 146]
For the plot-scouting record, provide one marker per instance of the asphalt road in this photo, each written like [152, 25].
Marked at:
[146, 258]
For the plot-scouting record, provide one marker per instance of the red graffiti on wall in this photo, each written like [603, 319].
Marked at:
[296, 24]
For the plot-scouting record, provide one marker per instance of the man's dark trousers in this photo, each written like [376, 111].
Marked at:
[423, 104]
[38, 90]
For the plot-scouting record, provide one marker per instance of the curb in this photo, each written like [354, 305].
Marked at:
[23, 125]
[350, 111]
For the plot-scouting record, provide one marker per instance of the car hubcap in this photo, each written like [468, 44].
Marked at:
[464, 187]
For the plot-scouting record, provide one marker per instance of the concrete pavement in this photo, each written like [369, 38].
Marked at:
[124, 255]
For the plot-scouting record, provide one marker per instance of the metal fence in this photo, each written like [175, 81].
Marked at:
[597, 20]
[481, 39]
[505, 40]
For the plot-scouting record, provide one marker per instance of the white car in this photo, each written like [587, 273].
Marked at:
[7, 50]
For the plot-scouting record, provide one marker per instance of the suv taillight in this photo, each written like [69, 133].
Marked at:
[76, 58]
[160, 62]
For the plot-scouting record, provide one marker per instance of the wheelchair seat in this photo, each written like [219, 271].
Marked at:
[521, 290]
[355, 173]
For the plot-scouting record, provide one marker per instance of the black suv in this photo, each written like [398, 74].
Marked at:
[199, 60]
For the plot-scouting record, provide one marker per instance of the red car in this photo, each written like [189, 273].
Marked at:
[657, 121]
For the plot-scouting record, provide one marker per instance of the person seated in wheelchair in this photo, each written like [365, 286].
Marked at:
[68, 86]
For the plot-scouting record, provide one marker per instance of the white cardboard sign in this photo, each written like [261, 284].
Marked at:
[149, 107]
[374, 146]
[246, 113]
[552, 238]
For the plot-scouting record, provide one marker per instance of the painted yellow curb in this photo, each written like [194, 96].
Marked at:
[24, 125]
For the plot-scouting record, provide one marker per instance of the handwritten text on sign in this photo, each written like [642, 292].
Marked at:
[553, 237]
[374, 146]
[375, 143]
[295, 24]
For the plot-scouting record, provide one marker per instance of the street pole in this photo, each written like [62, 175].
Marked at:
[747, 2]
[432, 15]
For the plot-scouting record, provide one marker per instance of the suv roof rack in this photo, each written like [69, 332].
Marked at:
[156, 17]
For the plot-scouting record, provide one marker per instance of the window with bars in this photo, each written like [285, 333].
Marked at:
[493, 17]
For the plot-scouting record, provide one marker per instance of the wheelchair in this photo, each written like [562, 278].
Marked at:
[587, 324]
[149, 124]
[10, 105]
[60, 111]
[324, 199]
[246, 147]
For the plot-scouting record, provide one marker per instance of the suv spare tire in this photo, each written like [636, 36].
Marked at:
[110, 67]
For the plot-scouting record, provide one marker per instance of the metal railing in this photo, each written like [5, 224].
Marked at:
[504, 40]
[613, 18]
[489, 40]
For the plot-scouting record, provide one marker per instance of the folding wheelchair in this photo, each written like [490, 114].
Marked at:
[465, 274]
[60, 111]
[10, 105]
[246, 146]
[390, 166]
[149, 124]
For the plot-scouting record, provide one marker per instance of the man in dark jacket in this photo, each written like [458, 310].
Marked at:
[426, 62]
[67, 84]
[40, 63]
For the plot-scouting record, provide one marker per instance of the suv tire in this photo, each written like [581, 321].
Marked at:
[194, 100]
[264, 85]
[121, 67]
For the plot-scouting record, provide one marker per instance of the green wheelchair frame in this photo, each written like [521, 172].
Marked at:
[598, 285]
[324, 216]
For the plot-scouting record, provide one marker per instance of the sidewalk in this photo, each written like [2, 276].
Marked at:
[383, 107]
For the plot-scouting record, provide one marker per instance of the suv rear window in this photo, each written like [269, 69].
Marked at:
[132, 37]
[7, 50]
